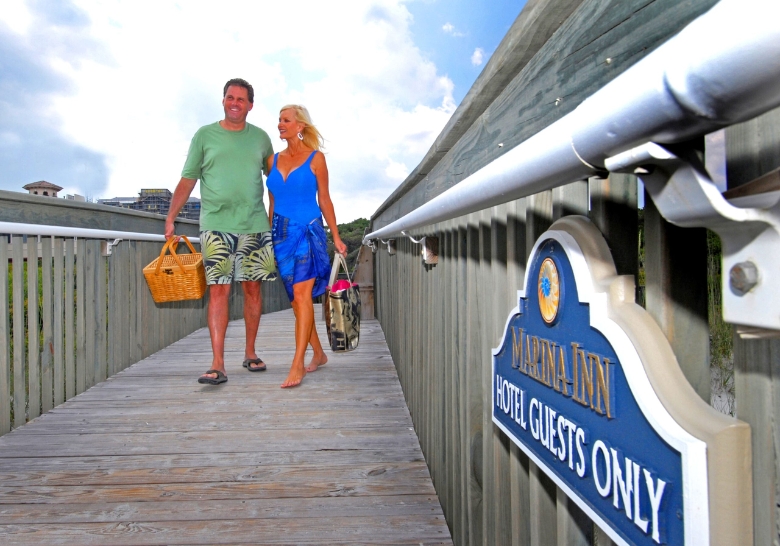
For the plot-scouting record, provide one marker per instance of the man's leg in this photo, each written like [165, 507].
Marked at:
[253, 308]
[218, 322]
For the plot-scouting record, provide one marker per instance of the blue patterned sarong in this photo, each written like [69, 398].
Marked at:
[301, 253]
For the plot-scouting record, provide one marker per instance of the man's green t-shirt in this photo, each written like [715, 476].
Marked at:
[230, 167]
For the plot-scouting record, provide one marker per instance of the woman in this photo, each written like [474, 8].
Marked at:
[297, 182]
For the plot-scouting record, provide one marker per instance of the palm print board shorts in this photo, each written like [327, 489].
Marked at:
[237, 257]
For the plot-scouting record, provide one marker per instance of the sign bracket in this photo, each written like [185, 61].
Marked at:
[749, 228]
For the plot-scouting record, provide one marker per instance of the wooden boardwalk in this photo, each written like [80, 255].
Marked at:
[152, 457]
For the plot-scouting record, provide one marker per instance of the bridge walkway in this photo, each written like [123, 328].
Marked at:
[152, 457]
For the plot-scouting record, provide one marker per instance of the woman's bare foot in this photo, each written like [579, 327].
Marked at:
[295, 377]
[316, 362]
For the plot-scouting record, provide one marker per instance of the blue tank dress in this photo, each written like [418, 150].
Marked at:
[298, 234]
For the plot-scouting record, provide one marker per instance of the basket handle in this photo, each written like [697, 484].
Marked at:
[171, 245]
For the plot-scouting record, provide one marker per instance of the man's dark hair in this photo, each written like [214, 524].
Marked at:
[239, 82]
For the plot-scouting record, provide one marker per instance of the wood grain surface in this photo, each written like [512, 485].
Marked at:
[152, 457]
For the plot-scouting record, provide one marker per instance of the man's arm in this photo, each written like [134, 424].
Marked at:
[180, 196]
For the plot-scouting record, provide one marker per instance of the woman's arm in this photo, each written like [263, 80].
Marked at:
[320, 169]
[269, 163]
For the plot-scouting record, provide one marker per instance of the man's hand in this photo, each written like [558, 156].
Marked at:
[169, 229]
[180, 196]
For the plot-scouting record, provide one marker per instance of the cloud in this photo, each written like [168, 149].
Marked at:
[449, 28]
[36, 42]
[135, 88]
[478, 57]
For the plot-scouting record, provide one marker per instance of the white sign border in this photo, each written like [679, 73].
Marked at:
[692, 450]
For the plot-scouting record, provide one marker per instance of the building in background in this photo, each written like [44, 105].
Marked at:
[43, 188]
[157, 201]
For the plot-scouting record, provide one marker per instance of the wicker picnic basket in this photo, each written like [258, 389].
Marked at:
[176, 277]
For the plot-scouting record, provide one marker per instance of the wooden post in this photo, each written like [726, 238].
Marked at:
[20, 391]
[5, 341]
[47, 351]
[70, 325]
[676, 293]
[33, 340]
[59, 322]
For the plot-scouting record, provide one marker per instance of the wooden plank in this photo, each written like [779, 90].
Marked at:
[485, 284]
[519, 494]
[58, 361]
[574, 527]
[5, 339]
[676, 293]
[113, 332]
[421, 529]
[136, 265]
[501, 462]
[47, 351]
[81, 321]
[19, 387]
[90, 311]
[218, 510]
[70, 319]
[614, 211]
[33, 332]
[473, 380]
[101, 317]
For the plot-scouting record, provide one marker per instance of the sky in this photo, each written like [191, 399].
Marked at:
[102, 97]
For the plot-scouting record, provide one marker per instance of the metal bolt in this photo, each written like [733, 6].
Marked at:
[558, 101]
[743, 277]
[609, 60]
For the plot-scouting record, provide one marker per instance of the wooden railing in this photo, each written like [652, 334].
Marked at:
[71, 316]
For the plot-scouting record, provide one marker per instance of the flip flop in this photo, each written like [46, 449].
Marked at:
[257, 368]
[221, 378]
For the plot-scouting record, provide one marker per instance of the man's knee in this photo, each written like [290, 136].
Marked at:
[219, 292]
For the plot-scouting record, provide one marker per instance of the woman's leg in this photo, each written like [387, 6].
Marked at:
[319, 358]
[304, 322]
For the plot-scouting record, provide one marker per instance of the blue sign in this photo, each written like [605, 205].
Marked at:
[570, 390]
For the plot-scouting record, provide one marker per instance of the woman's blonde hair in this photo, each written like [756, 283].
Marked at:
[311, 136]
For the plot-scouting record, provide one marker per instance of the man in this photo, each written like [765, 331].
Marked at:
[228, 158]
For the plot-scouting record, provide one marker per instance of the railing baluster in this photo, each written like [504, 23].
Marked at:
[69, 319]
[33, 340]
[81, 358]
[5, 341]
[19, 390]
[47, 350]
[58, 363]
[90, 311]
[101, 315]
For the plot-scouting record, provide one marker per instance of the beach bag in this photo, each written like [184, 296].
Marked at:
[176, 277]
[342, 315]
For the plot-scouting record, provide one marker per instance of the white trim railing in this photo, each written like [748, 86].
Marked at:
[12, 228]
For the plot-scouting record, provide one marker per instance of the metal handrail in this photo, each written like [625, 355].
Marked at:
[722, 69]
[12, 228]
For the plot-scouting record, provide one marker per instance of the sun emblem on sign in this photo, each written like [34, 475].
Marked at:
[549, 290]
